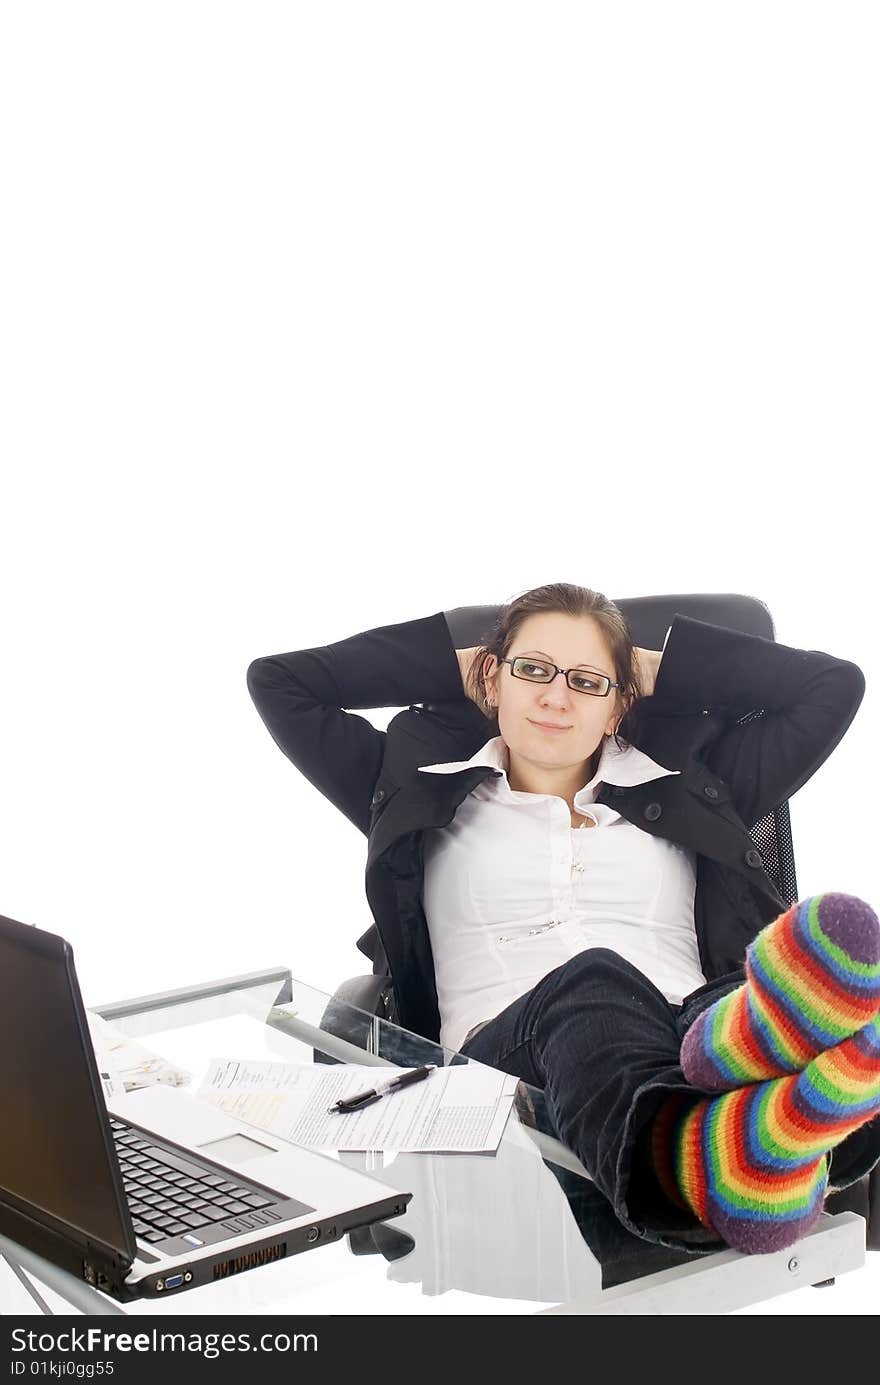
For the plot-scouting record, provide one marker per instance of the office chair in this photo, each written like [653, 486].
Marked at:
[649, 617]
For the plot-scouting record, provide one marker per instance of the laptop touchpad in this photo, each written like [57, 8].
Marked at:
[234, 1149]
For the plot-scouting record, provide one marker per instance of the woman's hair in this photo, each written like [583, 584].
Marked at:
[572, 601]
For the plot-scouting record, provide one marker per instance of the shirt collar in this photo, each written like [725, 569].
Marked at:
[623, 767]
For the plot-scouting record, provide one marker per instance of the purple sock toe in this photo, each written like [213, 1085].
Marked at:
[697, 1066]
[851, 925]
[763, 1235]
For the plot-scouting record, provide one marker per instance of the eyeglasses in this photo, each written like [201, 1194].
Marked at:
[578, 679]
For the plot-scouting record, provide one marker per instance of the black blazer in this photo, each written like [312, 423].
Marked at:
[733, 771]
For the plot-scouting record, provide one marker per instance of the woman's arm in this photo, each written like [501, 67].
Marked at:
[647, 667]
[302, 698]
[805, 699]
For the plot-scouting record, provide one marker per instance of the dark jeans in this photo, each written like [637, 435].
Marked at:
[603, 1042]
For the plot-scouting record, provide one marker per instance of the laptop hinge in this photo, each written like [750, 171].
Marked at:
[98, 1264]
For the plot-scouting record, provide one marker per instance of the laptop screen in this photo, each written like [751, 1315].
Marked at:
[53, 1147]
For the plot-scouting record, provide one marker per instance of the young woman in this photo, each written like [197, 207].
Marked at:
[580, 902]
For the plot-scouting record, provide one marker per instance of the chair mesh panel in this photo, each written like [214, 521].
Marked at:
[772, 837]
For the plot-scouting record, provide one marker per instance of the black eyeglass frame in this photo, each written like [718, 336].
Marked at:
[583, 691]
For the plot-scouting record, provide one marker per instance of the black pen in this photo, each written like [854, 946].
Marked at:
[362, 1099]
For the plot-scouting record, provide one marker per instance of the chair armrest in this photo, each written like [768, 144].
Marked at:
[370, 993]
[350, 1010]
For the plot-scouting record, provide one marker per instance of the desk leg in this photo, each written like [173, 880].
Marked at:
[74, 1291]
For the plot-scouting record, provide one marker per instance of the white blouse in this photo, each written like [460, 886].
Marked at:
[512, 890]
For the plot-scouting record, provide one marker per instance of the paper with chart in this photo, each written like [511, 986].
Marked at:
[462, 1108]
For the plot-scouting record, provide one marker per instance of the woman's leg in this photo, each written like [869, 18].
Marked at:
[753, 1163]
[603, 1043]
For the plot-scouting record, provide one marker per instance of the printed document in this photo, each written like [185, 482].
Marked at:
[463, 1108]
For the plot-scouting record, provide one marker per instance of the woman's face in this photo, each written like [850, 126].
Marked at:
[522, 706]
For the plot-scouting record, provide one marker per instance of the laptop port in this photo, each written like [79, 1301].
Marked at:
[173, 1281]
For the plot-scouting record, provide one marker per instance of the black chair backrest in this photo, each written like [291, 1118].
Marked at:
[649, 617]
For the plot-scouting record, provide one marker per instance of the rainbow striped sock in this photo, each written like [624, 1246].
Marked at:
[751, 1164]
[813, 979]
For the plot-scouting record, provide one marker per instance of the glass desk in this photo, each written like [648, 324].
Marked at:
[520, 1231]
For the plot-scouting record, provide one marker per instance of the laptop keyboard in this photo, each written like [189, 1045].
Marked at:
[167, 1197]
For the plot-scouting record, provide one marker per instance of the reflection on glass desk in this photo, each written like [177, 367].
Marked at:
[520, 1231]
[523, 1227]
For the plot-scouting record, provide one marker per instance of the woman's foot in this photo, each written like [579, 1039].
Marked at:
[751, 1164]
[813, 979]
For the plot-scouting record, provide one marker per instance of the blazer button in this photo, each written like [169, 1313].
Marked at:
[710, 791]
[754, 858]
[377, 797]
[653, 811]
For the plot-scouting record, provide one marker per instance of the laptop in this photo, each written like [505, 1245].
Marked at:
[156, 1191]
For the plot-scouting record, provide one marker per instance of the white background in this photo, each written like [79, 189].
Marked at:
[317, 317]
